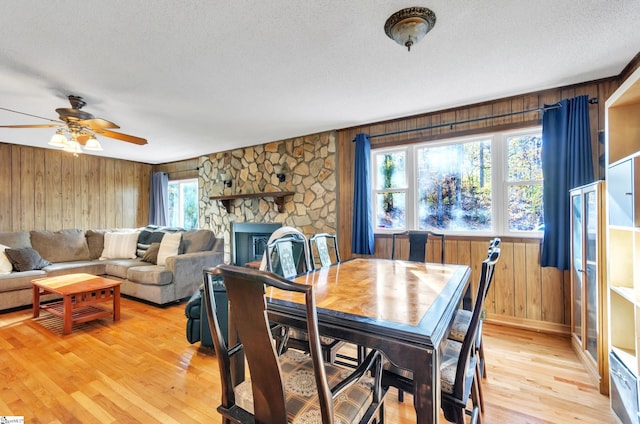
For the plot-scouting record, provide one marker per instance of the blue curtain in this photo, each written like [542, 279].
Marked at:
[159, 199]
[362, 229]
[566, 163]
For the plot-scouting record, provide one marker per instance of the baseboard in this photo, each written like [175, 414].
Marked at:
[529, 324]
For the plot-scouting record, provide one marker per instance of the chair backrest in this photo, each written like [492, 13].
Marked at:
[246, 292]
[324, 250]
[417, 244]
[493, 245]
[287, 256]
[468, 343]
[224, 353]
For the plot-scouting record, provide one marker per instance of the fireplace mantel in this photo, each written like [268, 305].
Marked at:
[277, 196]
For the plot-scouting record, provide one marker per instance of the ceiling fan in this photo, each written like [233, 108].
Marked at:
[81, 127]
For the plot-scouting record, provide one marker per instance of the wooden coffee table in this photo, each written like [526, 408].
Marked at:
[80, 295]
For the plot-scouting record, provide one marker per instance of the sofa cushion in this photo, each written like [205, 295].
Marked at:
[76, 267]
[19, 280]
[16, 239]
[169, 246]
[61, 246]
[151, 274]
[26, 259]
[95, 242]
[151, 254]
[197, 241]
[119, 267]
[120, 245]
[5, 264]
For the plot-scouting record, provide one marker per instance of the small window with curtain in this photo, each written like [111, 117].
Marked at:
[183, 203]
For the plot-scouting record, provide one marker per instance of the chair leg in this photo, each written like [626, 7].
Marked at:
[362, 353]
[478, 384]
[483, 368]
[400, 395]
[476, 401]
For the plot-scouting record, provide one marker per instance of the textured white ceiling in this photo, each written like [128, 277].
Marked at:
[200, 76]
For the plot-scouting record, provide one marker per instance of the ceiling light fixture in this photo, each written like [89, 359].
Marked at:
[93, 144]
[75, 142]
[407, 26]
[59, 140]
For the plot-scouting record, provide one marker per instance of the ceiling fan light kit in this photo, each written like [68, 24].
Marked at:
[80, 127]
[93, 144]
[407, 26]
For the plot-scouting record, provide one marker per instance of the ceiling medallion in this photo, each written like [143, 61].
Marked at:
[409, 25]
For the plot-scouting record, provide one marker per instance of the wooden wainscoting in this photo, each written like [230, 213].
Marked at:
[46, 189]
[523, 294]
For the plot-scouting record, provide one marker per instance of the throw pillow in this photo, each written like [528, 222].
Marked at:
[151, 254]
[26, 259]
[5, 264]
[120, 245]
[169, 246]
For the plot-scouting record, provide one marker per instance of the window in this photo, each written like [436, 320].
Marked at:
[183, 203]
[489, 184]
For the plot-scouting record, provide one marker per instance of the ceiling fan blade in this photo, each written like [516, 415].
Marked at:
[32, 126]
[123, 137]
[97, 123]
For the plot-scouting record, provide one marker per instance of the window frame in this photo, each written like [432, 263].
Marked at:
[499, 183]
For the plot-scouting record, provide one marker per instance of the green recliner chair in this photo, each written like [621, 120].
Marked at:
[197, 328]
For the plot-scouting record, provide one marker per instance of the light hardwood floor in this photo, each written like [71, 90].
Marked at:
[142, 370]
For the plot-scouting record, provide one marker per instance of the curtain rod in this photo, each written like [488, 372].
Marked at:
[184, 170]
[593, 100]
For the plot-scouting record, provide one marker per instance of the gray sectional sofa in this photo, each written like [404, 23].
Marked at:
[77, 251]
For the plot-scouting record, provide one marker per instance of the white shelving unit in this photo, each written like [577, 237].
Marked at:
[623, 245]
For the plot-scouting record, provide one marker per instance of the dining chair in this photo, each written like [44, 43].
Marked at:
[324, 250]
[286, 257]
[324, 253]
[459, 366]
[294, 386]
[462, 321]
[417, 244]
[462, 317]
[417, 253]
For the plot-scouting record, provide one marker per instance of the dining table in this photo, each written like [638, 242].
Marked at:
[402, 308]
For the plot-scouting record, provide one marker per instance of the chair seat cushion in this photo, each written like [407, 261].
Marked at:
[301, 394]
[460, 325]
[449, 364]
[450, 356]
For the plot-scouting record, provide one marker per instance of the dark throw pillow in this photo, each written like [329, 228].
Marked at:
[151, 254]
[25, 259]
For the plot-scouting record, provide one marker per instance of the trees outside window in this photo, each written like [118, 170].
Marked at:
[488, 184]
[183, 203]
[391, 187]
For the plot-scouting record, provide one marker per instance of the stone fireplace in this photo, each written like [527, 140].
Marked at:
[249, 241]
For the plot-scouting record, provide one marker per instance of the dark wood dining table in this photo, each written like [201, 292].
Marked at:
[402, 308]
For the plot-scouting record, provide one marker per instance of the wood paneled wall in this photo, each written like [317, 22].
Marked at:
[523, 293]
[47, 189]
